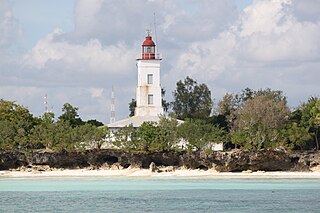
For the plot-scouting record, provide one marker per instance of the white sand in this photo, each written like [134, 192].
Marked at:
[183, 173]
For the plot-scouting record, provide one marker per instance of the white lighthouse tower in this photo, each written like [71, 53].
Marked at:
[148, 94]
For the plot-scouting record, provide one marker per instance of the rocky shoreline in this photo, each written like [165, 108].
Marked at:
[229, 161]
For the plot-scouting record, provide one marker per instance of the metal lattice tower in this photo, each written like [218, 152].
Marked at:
[113, 112]
[45, 103]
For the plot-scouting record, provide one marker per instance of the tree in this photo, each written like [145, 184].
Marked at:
[7, 135]
[47, 117]
[310, 113]
[10, 111]
[132, 107]
[191, 100]
[168, 135]
[16, 123]
[228, 104]
[95, 123]
[165, 104]
[147, 135]
[124, 138]
[231, 102]
[258, 122]
[70, 114]
[296, 137]
[92, 136]
[315, 121]
[43, 136]
[65, 136]
[199, 134]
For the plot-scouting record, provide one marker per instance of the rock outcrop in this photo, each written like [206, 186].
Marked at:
[236, 160]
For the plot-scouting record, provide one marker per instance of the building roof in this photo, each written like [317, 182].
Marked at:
[136, 121]
[148, 41]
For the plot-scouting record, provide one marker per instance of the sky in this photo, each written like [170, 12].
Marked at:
[75, 50]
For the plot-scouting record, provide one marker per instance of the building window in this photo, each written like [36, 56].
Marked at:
[150, 79]
[150, 99]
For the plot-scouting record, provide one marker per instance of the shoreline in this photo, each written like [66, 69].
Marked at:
[146, 173]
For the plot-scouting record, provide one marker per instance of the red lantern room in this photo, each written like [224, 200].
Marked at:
[148, 49]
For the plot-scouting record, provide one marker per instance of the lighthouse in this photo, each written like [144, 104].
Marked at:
[148, 93]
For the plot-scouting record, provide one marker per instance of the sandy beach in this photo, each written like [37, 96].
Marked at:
[180, 173]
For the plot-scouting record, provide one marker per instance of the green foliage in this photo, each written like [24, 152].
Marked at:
[309, 118]
[132, 107]
[61, 136]
[200, 134]
[148, 136]
[297, 137]
[70, 114]
[258, 123]
[7, 135]
[92, 136]
[168, 136]
[228, 104]
[47, 118]
[165, 104]
[124, 138]
[43, 134]
[95, 123]
[16, 122]
[275, 95]
[192, 100]
[20, 130]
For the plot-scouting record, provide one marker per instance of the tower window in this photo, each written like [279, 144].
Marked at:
[150, 99]
[148, 49]
[150, 79]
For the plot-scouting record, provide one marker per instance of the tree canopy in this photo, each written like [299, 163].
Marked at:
[258, 122]
[191, 100]
[70, 114]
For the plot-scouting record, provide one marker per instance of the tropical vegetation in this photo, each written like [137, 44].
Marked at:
[249, 120]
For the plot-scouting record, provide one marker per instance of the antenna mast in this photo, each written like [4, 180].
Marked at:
[155, 32]
[46, 103]
[113, 112]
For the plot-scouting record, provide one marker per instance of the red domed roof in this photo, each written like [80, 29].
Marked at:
[148, 41]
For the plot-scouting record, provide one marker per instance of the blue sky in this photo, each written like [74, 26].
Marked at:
[39, 17]
[75, 50]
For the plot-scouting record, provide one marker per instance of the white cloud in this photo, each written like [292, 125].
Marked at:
[96, 92]
[265, 17]
[90, 57]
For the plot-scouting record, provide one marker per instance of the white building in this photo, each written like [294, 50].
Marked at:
[148, 92]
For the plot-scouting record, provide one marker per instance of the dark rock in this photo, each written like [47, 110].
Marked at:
[236, 160]
[12, 160]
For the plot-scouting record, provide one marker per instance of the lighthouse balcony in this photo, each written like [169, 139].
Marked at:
[149, 56]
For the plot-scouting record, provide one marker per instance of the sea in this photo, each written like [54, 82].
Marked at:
[159, 195]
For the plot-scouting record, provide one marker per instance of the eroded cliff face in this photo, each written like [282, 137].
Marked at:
[237, 160]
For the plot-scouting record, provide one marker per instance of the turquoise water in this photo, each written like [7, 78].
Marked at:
[159, 195]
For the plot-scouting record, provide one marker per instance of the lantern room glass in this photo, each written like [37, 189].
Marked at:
[148, 49]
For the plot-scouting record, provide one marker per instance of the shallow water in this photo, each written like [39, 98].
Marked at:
[159, 195]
